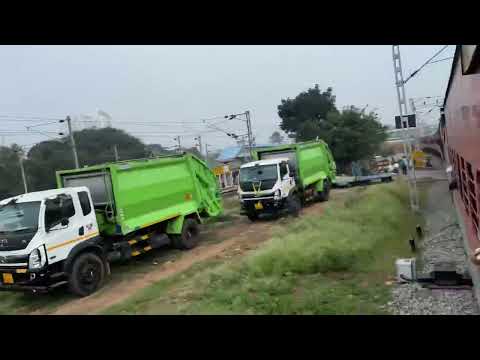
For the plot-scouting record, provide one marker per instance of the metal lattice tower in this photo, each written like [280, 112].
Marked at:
[402, 105]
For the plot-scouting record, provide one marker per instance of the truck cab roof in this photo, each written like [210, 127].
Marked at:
[41, 195]
[264, 162]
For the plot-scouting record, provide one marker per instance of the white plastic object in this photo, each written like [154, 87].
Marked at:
[406, 269]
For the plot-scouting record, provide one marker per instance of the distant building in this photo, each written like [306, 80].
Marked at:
[230, 159]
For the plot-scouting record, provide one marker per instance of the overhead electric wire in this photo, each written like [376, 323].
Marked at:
[29, 118]
[448, 58]
[42, 124]
[425, 64]
[45, 134]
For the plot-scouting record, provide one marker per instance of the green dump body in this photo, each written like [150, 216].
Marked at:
[131, 195]
[312, 160]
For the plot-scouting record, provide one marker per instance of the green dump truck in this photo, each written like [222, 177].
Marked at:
[285, 177]
[101, 214]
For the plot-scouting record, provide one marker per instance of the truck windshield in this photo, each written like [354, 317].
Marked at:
[258, 173]
[16, 217]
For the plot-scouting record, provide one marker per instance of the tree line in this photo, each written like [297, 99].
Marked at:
[94, 146]
[351, 133]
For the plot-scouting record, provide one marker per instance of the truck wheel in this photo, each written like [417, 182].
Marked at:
[88, 274]
[252, 216]
[294, 205]
[325, 193]
[188, 239]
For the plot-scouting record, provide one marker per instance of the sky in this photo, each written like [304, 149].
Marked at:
[159, 92]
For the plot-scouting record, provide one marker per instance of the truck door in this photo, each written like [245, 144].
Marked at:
[62, 222]
[286, 179]
[89, 221]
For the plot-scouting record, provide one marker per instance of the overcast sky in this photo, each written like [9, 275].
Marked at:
[175, 84]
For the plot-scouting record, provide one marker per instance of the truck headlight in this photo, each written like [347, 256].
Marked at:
[277, 195]
[36, 260]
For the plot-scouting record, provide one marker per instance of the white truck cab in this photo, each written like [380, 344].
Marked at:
[41, 234]
[265, 186]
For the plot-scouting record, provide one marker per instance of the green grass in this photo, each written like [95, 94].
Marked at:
[333, 263]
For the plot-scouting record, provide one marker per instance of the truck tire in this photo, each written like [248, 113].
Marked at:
[324, 195]
[87, 275]
[188, 239]
[253, 216]
[294, 205]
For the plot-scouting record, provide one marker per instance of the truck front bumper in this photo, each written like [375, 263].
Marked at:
[20, 279]
[268, 205]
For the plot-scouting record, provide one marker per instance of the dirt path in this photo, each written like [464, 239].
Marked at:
[240, 237]
[222, 241]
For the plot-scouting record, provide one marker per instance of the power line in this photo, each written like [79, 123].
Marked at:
[29, 118]
[42, 124]
[45, 134]
[19, 133]
[448, 58]
[426, 63]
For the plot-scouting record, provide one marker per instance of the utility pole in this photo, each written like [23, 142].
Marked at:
[249, 134]
[177, 138]
[24, 178]
[402, 105]
[115, 151]
[72, 141]
[416, 141]
[206, 153]
[199, 139]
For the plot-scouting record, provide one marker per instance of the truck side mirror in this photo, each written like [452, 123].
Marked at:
[64, 222]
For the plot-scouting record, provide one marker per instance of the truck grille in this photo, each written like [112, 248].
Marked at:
[264, 185]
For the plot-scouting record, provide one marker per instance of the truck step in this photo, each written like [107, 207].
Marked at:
[140, 251]
[140, 238]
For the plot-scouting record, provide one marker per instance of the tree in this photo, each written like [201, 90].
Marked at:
[352, 135]
[276, 138]
[311, 105]
[157, 150]
[10, 175]
[43, 160]
[94, 146]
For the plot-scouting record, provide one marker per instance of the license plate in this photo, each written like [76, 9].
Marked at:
[7, 278]
[258, 206]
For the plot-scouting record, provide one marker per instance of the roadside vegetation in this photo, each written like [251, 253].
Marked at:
[340, 261]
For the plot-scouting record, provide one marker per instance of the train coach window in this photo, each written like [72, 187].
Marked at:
[470, 59]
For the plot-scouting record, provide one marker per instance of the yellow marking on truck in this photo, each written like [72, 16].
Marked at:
[144, 237]
[7, 278]
[131, 242]
[159, 221]
[21, 271]
[135, 253]
[86, 237]
[146, 248]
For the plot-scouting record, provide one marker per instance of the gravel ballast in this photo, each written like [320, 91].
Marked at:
[443, 242]
[413, 299]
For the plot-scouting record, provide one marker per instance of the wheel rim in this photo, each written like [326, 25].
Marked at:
[190, 236]
[89, 275]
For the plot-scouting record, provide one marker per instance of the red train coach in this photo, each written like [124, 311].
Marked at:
[460, 130]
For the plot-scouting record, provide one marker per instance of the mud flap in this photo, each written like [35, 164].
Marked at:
[175, 226]
[319, 185]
